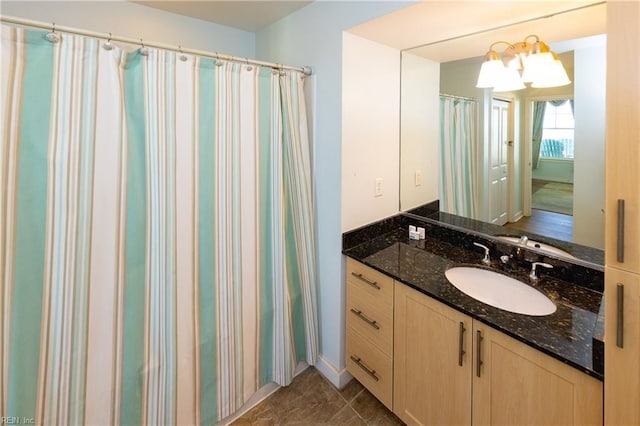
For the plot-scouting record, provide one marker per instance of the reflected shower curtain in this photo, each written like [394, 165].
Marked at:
[539, 107]
[156, 233]
[458, 157]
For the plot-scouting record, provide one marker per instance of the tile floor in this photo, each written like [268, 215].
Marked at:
[312, 400]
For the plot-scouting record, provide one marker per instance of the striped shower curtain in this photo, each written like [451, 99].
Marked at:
[156, 233]
[458, 157]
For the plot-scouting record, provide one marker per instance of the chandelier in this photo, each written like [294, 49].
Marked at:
[520, 63]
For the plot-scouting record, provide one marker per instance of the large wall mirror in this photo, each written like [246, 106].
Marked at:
[480, 152]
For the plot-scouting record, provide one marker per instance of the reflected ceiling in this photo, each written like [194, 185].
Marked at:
[430, 22]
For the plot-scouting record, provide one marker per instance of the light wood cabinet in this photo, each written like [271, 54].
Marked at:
[622, 364]
[518, 385]
[437, 378]
[432, 361]
[370, 329]
[623, 134]
[622, 348]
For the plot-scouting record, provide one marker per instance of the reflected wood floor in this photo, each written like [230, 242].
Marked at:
[548, 224]
[311, 400]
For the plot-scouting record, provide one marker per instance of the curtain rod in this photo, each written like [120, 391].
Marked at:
[53, 27]
[458, 97]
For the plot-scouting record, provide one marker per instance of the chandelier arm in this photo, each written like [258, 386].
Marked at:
[500, 42]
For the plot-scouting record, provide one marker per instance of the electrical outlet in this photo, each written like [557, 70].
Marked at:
[377, 191]
[417, 178]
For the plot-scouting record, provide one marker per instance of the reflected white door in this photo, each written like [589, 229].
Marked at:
[498, 168]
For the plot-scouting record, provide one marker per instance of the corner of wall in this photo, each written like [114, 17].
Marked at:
[338, 378]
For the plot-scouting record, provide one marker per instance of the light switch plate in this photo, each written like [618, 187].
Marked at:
[377, 192]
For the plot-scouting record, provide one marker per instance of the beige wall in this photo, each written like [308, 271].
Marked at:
[588, 186]
[420, 147]
[370, 130]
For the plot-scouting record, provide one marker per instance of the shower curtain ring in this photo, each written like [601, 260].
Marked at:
[144, 51]
[53, 37]
[249, 67]
[182, 56]
[108, 45]
[218, 61]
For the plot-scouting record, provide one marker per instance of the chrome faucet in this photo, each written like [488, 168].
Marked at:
[523, 240]
[486, 260]
[533, 275]
[506, 261]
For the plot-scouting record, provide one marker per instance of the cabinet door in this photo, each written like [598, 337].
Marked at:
[518, 385]
[622, 355]
[623, 134]
[430, 385]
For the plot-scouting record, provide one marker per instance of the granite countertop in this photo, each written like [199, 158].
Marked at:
[590, 255]
[565, 335]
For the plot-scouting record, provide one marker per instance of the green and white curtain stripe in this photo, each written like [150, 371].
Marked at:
[156, 233]
[458, 156]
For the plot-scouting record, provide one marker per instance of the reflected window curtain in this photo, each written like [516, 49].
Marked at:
[558, 102]
[157, 220]
[539, 108]
[458, 143]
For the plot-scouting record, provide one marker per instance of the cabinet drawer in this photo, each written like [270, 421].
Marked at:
[370, 281]
[370, 316]
[370, 366]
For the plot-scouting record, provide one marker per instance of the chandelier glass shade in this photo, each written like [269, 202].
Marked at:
[521, 63]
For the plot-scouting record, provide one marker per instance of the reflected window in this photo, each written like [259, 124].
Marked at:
[558, 130]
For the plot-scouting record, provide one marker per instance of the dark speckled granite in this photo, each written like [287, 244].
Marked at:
[365, 233]
[563, 269]
[588, 256]
[598, 341]
[427, 210]
[566, 334]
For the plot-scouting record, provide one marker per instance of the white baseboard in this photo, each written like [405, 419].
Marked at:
[339, 378]
[517, 216]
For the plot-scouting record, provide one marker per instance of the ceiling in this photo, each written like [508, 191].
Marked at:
[445, 31]
[424, 24]
[245, 15]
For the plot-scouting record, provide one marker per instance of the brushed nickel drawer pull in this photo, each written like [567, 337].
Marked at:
[460, 343]
[367, 370]
[478, 354]
[620, 317]
[371, 283]
[364, 318]
[620, 248]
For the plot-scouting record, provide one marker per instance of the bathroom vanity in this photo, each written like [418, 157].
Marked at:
[435, 355]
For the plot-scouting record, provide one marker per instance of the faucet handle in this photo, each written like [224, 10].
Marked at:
[486, 260]
[533, 275]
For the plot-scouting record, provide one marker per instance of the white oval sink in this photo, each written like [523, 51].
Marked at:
[500, 291]
[540, 246]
